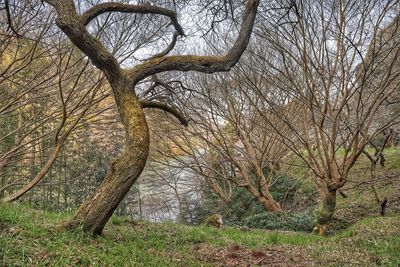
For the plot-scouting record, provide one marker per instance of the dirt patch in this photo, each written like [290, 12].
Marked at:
[239, 256]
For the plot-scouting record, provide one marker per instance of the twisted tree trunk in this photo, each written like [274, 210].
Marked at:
[94, 213]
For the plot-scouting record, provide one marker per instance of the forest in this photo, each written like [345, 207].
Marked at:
[199, 133]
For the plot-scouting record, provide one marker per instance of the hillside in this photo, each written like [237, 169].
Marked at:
[28, 237]
[360, 200]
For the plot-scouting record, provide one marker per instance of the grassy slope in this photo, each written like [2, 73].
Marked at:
[28, 238]
[361, 200]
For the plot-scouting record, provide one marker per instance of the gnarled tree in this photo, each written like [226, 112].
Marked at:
[97, 209]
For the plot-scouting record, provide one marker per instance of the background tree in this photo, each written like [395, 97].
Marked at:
[46, 86]
[225, 143]
[321, 57]
[33, 71]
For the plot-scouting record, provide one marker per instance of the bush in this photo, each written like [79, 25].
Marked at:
[288, 221]
[242, 204]
[283, 188]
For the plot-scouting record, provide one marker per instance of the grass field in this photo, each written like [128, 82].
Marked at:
[28, 238]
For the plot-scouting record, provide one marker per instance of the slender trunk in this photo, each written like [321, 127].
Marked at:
[94, 213]
[271, 206]
[325, 212]
[180, 218]
[140, 203]
[265, 199]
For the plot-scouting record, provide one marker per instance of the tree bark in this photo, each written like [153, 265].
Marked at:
[266, 199]
[269, 204]
[94, 213]
[326, 211]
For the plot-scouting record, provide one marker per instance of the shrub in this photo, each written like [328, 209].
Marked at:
[242, 204]
[283, 188]
[288, 221]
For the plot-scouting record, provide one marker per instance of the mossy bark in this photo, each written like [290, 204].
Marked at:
[326, 212]
[94, 213]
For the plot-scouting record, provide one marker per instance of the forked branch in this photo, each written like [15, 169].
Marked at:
[206, 64]
[99, 9]
[169, 47]
[9, 20]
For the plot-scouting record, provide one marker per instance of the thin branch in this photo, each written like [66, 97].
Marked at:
[170, 109]
[9, 20]
[10, 185]
[169, 48]
[99, 9]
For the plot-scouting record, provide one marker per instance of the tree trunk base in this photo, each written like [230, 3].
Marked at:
[325, 214]
[94, 213]
[320, 229]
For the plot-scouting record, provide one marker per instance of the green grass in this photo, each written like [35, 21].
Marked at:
[28, 237]
[372, 241]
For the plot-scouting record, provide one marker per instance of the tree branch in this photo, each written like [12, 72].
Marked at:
[164, 106]
[169, 47]
[9, 20]
[206, 64]
[69, 22]
[10, 185]
[99, 9]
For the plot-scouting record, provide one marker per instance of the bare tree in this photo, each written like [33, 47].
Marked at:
[23, 72]
[324, 58]
[95, 211]
[74, 107]
[226, 144]
[378, 157]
